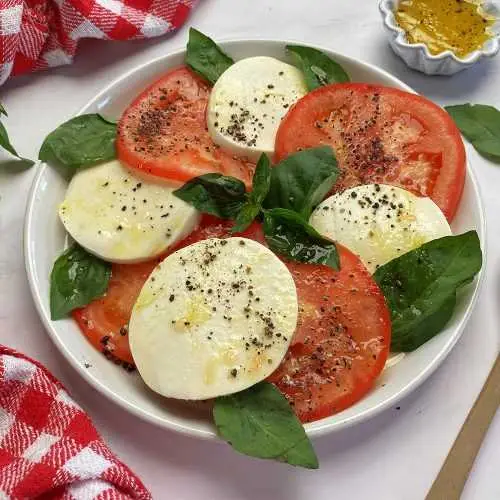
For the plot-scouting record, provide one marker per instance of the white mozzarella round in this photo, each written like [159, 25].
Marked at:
[213, 318]
[379, 222]
[122, 218]
[248, 101]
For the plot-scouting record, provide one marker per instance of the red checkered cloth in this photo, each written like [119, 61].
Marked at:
[37, 34]
[49, 447]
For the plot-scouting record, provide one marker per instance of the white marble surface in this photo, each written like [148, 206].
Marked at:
[392, 457]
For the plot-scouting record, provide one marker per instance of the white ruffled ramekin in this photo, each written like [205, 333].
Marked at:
[417, 55]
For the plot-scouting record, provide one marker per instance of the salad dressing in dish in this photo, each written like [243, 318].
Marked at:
[456, 25]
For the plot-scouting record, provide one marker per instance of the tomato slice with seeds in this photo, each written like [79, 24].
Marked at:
[105, 320]
[164, 132]
[342, 338]
[340, 345]
[380, 135]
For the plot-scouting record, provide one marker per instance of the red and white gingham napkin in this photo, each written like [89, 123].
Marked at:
[37, 34]
[48, 444]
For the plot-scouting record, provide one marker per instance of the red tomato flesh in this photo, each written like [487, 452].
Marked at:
[340, 345]
[380, 135]
[342, 338]
[164, 132]
[105, 320]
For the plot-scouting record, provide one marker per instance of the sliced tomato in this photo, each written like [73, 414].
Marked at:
[105, 321]
[342, 338]
[383, 135]
[164, 132]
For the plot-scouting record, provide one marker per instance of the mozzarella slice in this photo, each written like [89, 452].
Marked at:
[379, 222]
[248, 101]
[213, 318]
[122, 218]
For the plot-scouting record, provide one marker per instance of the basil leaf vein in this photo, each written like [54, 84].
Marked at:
[480, 124]
[216, 194]
[318, 68]
[420, 286]
[83, 141]
[260, 187]
[302, 180]
[205, 57]
[288, 234]
[77, 278]
[259, 422]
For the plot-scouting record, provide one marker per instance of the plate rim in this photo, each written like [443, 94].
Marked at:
[187, 428]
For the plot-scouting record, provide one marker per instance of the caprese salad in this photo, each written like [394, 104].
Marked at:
[261, 234]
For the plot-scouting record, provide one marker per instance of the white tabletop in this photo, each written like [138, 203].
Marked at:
[395, 455]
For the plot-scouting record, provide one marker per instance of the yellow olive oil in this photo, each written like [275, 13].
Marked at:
[456, 25]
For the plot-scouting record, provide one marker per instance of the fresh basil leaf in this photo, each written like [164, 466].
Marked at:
[215, 194]
[4, 140]
[318, 68]
[77, 278]
[259, 422]
[288, 234]
[480, 124]
[260, 187]
[301, 181]
[80, 142]
[205, 57]
[2, 110]
[420, 286]
[248, 212]
[18, 163]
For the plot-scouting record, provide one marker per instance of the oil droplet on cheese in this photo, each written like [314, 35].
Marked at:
[457, 25]
[196, 313]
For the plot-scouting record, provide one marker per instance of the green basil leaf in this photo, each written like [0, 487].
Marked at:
[480, 124]
[288, 234]
[2, 110]
[205, 57]
[80, 142]
[259, 422]
[260, 187]
[77, 278]
[318, 68]
[301, 181]
[19, 163]
[215, 194]
[420, 286]
[4, 140]
[245, 217]
[261, 180]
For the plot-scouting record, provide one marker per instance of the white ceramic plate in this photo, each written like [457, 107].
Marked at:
[45, 238]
